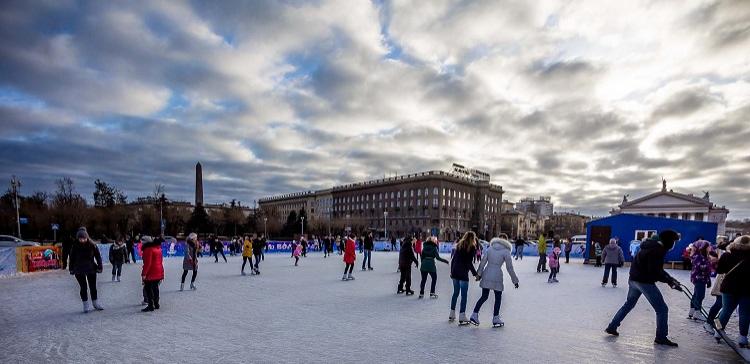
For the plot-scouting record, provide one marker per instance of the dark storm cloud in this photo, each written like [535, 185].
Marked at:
[686, 102]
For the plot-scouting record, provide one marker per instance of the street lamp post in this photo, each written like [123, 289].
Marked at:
[265, 227]
[385, 216]
[303, 226]
[161, 213]
[15, 185]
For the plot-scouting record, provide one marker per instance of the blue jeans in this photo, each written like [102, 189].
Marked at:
[729, 302]
[699, 293]
[654, 297]
[714, 311]
[463, 288]
[367, 259]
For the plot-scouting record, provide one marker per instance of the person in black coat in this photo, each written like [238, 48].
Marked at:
[405, 259]
[85, 263]
[218, 248]
[647, 269]
[367, 246]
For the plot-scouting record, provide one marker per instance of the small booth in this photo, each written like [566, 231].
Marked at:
[629, 227]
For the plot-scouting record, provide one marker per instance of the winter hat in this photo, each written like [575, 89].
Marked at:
[742, 243]
[146, 239]
[82, 234]
[192, 237]
[667, 238]
[613, 241]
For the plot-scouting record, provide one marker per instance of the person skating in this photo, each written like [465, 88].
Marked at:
[700, 276]
[406, 257]
[554, 264]
[713, 256]
[190, 260]
[368, 246]
[598, 254]
[118, 252]
[218, 248]
[613, 258]
[520, 245]
[418, 248]
[85, 263]
[646, 269]
[326, 246]
[296, 253]
[430, 254]
[490, 276]
[247, 255]
[462, 262]
[350, 255]
[541, 246]
[568, 249]
[153, 271]
[735, 291]
[259, 244]
[303, 243]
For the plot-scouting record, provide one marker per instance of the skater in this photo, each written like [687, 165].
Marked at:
[735, 292]
[326, 246]
[686, 256]
[462, 263]
[247, 255]
[85, 263]
[568, 249]
[368, 246]
[598, 254]
[647, 269]
[418, 248]
[554, 264]
[519, 248]
[430, 254]
[339, 245]
[298, 250]
[713, 312]
[406, 257]
[613, 258]
[542, 250]
[131, 247]
[350, 255]
[700, 276]
[218, 247]
[303, 242]
[259, 244]
[118, 252]
[490, 276]
[153, 271]
[190, 260]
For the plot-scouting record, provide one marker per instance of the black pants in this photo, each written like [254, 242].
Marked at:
[405, 278]
[485, 295]
[553, 273]
[82, 281]
[598, 261]
[349, 268]
[567, 257]
[607, 268]
[304, 251]
[433, 275]
[258, 258]
[542, 265]
[246, 260]
[325, 251]
[195, 274]
[117, 269]
[152, 293]
[216, 255]
[296, 260]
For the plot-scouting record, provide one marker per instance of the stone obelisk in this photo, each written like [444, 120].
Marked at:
[198, 185]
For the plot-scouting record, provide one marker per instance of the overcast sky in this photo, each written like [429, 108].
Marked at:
[584, 101]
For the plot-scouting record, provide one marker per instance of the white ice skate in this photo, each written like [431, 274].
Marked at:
[343, 278]
[351, 277]
[118, 278]
[452, 316]
[462, 320]
[474, 320]
[182, 287]
[113, 278]
[193, 287]
[497, 322]
[86, 307]
[96, 305]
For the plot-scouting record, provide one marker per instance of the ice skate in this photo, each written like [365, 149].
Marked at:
[604, 284]
[554, 280]
[148, 309]
[344, 278]
[462, 320]
[433, 296]
[497, 322]
[690, 314]
[409, 293]
[400, 291]
[182, 287]
[118, 278]
[97, 306]
[421, 296]
[452, 316]
[474, 320]
[114, 278]
[86, 307]
[350, 277]
[742, 342]
[549, 280]
[243, 273]
[193, 287]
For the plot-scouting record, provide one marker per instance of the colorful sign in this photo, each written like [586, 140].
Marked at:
[37, 258]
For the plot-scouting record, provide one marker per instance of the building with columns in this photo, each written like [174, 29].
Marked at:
[674, 205]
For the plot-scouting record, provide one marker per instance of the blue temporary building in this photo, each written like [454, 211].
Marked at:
[629, 227]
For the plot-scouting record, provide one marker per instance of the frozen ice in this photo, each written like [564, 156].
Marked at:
[307, 314]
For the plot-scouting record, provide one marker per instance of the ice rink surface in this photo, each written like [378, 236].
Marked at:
[306, 314]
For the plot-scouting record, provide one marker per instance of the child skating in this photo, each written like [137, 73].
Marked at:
[296, 254]
[430, 254]
[554, 264]
[350, 256]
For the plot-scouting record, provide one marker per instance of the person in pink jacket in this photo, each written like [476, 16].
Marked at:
[554, 264]
[296, 253]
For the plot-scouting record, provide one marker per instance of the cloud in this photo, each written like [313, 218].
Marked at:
[581, 101]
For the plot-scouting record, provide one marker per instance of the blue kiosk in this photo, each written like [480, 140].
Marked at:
[629, 227]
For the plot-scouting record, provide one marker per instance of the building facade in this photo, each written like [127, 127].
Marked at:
[435, 202]
[673, 205]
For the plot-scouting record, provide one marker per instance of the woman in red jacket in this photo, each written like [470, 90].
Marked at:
[153, 271]
[350, 255]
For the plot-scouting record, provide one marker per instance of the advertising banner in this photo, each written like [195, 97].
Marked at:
[7, 261]
[37, 258]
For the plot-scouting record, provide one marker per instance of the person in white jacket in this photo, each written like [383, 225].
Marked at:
[490, 275]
